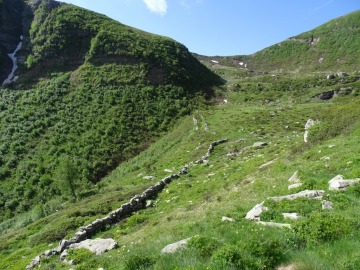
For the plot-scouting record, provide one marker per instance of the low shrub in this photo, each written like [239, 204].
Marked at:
[205, 246]
[136, 262]
[322, 227]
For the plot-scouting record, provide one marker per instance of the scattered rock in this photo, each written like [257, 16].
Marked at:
[149, 203]
[325, 95]
[311, 194]
[339, 183]
[254, 214]
[287, 267]
[274, 224]
[308, 125]
[149, 177]
[231, 154]
[293, 216]
[267, 164]
[327, 204]
[342, 74]
[294, 178]
[168, 171]
[174, 247]
[260, 144]
[227, 219]
[97, 246]
[330, 77]
[294, 186]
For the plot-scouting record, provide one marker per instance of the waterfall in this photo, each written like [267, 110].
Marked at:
[12, 78]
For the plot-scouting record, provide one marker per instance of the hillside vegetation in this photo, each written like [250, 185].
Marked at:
[97, 93]
[331, 47]
[120, 110]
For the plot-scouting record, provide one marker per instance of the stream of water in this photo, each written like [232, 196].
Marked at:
[12, 78]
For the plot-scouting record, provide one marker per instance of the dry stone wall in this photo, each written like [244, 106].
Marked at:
[135, 204]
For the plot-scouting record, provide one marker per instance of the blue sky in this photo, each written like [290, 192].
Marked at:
[223, 27]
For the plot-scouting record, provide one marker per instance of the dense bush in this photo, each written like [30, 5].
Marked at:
[138, 262]
[322, 227]
[205, 246]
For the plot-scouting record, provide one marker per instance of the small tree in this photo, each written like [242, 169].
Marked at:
[66, 176]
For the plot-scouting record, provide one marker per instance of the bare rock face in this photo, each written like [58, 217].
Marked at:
[97, 246]
[339, 183]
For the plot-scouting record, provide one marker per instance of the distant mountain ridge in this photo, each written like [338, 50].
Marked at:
[333, 46]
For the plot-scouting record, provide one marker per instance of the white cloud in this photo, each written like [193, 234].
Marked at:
[157, 6]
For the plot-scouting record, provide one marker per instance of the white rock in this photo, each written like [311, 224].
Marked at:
[294, 178]
[293, 216]
[254, 214]
[327, 204]
[149, 177]
[260, 144]
[174, 247]
[274, 224]
[311, 194]
[339, 183]
[308, 125]
[227, 219]
[294, 186]
[168, 171]
[97, 246]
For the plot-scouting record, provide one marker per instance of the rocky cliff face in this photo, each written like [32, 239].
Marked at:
[11, 27]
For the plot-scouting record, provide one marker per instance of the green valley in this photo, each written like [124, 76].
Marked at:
[102, 112]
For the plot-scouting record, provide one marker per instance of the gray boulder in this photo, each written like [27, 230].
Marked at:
[339, 183]
[294, 178]
[174, 247]
[311, 194]
[97, 246]
[326, 204]
[255, 212]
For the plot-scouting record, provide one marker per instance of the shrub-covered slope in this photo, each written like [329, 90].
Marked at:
[118, 89]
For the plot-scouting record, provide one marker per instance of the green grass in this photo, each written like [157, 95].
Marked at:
[226, 186]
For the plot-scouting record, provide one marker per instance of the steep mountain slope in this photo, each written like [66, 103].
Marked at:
[331, 47]
[118, 89]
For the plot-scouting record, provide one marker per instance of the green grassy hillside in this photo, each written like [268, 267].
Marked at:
[228, 185]
[97, 93]
[102, 111]
[330, 47]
